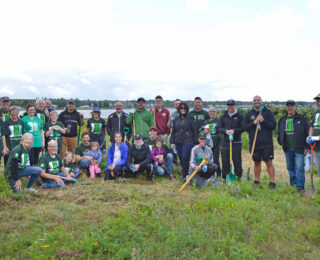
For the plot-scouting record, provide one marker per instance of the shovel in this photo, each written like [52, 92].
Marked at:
[73, 180]
[311, 191]
[231, 178]
[126, 132]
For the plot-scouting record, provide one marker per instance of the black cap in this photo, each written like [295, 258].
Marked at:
[231, 102]
[137, 136]
[70, 101]
[141, 99]
[290, 102]
[202, 135]
[5, 98]
[317, 97]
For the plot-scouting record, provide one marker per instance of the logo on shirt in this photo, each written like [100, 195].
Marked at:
[54, 166]
[96, 128]
[253, 117]
[34, 128]
[15, 131]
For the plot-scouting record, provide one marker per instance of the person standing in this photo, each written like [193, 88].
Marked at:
[183, 137]
[54, 130]
[48, 105]
[216, 137]
[263, 151]
[5, 104]
[116, 123]
[293, 129]
[71, 120]
[140, 119]
[12, 131]
[96, 127]
[315, 131]
[162, 119]
[230, 123]
[33, 125]
[199, 115]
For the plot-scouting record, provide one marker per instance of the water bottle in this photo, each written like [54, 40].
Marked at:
[174, 149]
[133, 168]
[311, 139]
[230, 137]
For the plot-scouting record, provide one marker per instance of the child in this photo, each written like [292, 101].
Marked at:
[158, 154]
[69, 165]
[96, 155]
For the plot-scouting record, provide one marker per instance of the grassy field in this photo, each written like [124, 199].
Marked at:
[135, 219]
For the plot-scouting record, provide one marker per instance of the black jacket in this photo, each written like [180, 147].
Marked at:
[226, 123]
[264, 136]
[140, 156]
[184, 130]
[74, 117]
[301, 132]
[116, 125]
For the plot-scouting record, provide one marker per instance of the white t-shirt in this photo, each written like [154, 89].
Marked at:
[117, 155]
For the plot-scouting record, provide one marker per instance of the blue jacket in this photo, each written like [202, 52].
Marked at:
[95, 155]
[124, 153]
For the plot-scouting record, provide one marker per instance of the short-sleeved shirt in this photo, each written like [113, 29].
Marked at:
[55, 134]
[42, 116]
[199, 117]
[289, 134]
[81, 149]
[315, 123]
[6, 115]
[13, 130]
[96, 127]
[50, 164]
[33, 127]
[20, 156]
[69, 166]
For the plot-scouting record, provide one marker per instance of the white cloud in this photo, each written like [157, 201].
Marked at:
[197, 5]
[313, 5]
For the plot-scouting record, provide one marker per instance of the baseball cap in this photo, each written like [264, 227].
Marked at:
[231, 102]
[70, 101]
[96, 109]
[202, 135]
[5, 98]
[137, 136]
[290, 102]
[317, 97]
[152, 128]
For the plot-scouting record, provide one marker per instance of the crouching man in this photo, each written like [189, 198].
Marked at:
[52, 168]
[198, 153]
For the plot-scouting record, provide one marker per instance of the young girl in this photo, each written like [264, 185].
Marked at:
[96, 155]
[69, 165]
[158, 155]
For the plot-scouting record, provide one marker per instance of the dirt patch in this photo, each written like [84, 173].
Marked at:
[65, 253]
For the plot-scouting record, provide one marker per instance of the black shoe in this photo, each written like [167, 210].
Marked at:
[256, 182]
[149, 177]
[300, 191]
[272, 185]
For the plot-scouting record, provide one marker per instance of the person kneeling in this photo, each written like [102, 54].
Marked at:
[54, 174]
[198, 153]
[139, 158]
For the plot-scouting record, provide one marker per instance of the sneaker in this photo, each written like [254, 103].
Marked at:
[300, 191]
[149, 177]
[31, 190]
[184, 179]
[272, 185]
[257, 182]
[211, 179]
[171, 177]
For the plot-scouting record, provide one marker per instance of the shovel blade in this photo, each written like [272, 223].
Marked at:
[310, 193]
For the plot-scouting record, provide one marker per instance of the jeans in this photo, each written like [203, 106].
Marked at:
[49, 184]
[159, 170]
[84, 164]
[32, 171]
[184, 152]
[316, 156]
[295, 166]
[201, 176]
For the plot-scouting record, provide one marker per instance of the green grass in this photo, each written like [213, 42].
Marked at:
[136, 219]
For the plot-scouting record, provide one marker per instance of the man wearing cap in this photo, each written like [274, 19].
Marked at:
[199, 115]
[198, 153]
[139, 158]
[5, 104]
[47, 105]
[116, 123]
[82, 159]
[162, 119]
[96, 127]
[140, 119]
[70, 119]
[263, 151]
[315, 131]
[293, 129]
[230, 124]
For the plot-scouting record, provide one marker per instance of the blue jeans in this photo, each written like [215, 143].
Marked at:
[48, 184]
[159, 170]
[295, 166]
[32, 171]
[84, 164]
[184, 152]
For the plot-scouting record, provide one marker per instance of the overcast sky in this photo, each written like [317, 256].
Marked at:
[123, 49]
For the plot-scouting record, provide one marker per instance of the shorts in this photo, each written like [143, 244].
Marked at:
[264, 154]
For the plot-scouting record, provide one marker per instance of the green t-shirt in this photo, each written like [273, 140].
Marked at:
[42, 116]
[289, 134]
[50, 164]
[6, 115]
[13, 132]
[199, 117]
[68, 166]
[55, 135]
[1, 133]
[315, 123]
[216, 137]
[96, 127]
[18, 160]
[33, 127]
[81, 149]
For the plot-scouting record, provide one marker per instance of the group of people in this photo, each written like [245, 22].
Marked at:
[158, 139]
